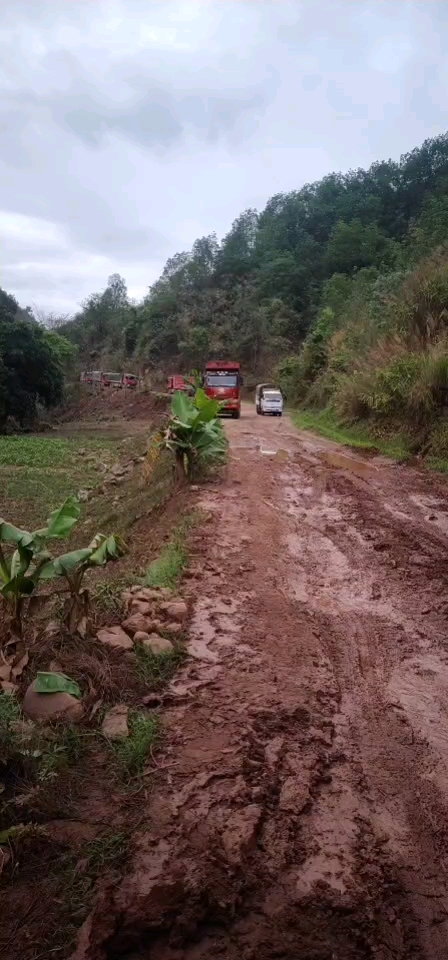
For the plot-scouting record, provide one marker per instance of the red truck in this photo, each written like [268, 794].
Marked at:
[223, 382]
[178, 382]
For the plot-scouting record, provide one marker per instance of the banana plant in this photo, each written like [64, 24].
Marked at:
[194, 434]
[20, 571]
[73, 566]
[31, 564]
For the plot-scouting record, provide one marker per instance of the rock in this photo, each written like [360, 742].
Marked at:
[5, 671]
[163, 593]
[114, 637]
[158, 644]
[50, 706]
[148, 594]
[173, 628]
[117, 470]
[8, 687]
[115, 723]
[175, 610]
[137, 622]
[83, 495]
[140, 606]
[140, 636]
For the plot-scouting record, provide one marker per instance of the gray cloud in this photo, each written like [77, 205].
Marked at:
[130, 127]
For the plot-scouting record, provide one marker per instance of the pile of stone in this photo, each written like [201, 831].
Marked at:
[151, 612]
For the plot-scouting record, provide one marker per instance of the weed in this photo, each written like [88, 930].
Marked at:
[59, 754]
[157, 669]
[167, 570]
[107, 851]
[106, 594]
[39, 753]
[132, 752]
[357, 436]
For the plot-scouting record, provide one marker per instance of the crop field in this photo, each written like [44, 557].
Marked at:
[37, 473]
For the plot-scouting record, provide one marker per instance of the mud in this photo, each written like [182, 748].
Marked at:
[302, 811]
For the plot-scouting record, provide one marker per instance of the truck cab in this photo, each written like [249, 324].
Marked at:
[268, 399]
[223, 382]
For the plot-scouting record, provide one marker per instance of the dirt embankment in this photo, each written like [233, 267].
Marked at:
[301, 804]
[106, 405]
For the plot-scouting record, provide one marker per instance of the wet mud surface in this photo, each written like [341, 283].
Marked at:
[301, 808]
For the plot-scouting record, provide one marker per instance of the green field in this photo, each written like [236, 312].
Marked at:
[37, 473]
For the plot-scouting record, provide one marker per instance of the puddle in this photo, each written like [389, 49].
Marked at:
[420, 685]
[362, 468]
[277, 454]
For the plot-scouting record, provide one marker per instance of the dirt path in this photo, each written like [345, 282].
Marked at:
[301, 810]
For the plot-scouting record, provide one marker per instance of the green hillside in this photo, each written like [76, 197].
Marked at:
[341, 286]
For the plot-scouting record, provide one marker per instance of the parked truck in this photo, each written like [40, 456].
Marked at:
[177, 382]
[223, 382]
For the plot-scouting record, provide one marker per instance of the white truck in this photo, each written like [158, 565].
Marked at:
[268, 400]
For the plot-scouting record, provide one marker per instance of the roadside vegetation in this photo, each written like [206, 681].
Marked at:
[90, 613]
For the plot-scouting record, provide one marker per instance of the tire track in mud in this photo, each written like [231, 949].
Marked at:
[303, 808]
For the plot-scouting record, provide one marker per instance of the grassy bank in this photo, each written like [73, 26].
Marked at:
[55, 774]
[357, 436]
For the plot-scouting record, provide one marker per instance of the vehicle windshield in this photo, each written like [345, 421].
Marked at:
[222, 380]
[272, 395]
[113, 376]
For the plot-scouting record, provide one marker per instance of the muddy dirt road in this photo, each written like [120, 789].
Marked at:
[301, 809]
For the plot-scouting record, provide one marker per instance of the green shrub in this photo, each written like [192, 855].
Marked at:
[438, 441]
[133, 751]
[351, 399]
[392, 386]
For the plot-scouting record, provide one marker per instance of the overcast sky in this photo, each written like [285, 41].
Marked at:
[131, 127]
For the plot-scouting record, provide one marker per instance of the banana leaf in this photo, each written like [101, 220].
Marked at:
[60, 523]
[56, 683]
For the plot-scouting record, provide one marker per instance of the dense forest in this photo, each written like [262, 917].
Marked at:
[341, 287]
[33, 364]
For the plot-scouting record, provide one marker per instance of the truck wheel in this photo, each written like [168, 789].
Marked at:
[236, 415]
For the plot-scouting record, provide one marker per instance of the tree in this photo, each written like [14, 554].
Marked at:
[236, 256]
[29, 370]
[353, 245]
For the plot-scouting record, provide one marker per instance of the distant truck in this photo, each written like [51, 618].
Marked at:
[112, 380]
[223, 381]
[178, 382]
[268, 400]
[117, 380]
[130, 381]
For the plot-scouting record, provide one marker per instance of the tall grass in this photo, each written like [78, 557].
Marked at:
[380, 358]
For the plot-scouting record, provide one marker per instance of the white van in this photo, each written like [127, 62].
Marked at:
[271, 402]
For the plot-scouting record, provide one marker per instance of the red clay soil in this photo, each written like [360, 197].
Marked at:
[113, 404]
[301, 810]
